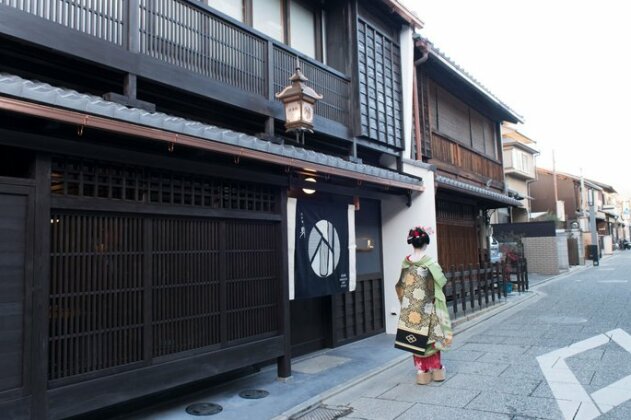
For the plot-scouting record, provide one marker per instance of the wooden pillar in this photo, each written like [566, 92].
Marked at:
[41, 275]
[284, 362]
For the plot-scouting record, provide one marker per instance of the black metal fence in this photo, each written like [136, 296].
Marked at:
[471, 288]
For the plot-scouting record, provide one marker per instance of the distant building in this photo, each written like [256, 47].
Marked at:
[573, 204]
[519, 171]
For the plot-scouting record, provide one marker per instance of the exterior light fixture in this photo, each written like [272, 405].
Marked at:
[299, 102]
[309, 190]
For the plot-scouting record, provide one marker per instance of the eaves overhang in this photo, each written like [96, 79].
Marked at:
[453, 184]
[405, 13]
[519, 145]
[65, 105]
[516, 173]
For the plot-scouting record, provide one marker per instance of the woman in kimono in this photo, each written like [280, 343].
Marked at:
[424, 326]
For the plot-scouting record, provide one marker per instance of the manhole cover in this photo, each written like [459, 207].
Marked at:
[204, 409]
[253, 394]
[323, 412]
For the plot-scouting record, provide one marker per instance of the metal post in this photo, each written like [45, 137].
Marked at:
[592, 225]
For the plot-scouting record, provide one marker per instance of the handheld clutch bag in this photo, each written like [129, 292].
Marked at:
[411, 341]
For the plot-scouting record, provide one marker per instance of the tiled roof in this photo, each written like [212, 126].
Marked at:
[478, 191]
[439, 54]
[44, 93]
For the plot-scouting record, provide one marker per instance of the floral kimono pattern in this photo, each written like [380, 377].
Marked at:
[423, 303]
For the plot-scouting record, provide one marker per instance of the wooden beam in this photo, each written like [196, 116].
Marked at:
[41, 286]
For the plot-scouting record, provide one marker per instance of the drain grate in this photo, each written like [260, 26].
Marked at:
[204, 409]
[253, 394]
[322, 412]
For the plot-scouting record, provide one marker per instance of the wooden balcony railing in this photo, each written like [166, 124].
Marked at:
[102, 19]
[458, 156]
[191, 36]
[334, 87]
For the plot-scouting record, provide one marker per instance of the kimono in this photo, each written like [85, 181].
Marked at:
[423, 307]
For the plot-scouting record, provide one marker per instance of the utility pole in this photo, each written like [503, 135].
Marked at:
[554, 183]
[592, 226]
[581, 197]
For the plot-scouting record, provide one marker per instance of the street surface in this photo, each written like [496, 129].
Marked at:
[563, 354]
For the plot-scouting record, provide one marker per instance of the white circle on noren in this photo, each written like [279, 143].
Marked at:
[324, 248]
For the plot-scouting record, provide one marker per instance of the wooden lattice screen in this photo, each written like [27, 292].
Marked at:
[94, 179]
[186, 284]
[131, 290]
[360, 313]
[96, 293]
[380, 94]
[457, 236]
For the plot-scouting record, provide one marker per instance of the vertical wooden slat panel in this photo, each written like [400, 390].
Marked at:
[90, 285]
[100, 296]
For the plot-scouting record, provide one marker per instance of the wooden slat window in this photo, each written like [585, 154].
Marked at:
[252, 279]
[211, 282]
[102, 19]
[477, 132]
[134, 288]
[455, 213]
[456, 233]
[452, 118]
[379, 86]
[96, 293]
[490, 136]
[359, 314]
[87, 178]
[186, 284]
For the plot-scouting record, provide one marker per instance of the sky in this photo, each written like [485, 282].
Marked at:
[564, 65]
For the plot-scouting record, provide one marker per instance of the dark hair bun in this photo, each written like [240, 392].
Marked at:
[417, 237]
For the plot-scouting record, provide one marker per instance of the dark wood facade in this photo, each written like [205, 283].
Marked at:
[187, 59]
[458, 131]
[129, 266]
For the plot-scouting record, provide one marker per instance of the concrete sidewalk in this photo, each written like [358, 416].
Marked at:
[493, 371]
[316, 377]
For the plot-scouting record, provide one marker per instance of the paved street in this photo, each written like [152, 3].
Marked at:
[494, 371]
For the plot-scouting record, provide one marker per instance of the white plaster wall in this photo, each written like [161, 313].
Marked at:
[397, 219]
[407, 78]
[607, 245]
[562, 250]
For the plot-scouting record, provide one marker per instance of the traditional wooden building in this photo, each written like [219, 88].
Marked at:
[145, 183]
[458, 131]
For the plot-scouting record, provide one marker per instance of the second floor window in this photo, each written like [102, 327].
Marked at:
[293, 22]
[267, 17]
[521, 161]
[232, 8]
[459, 122]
